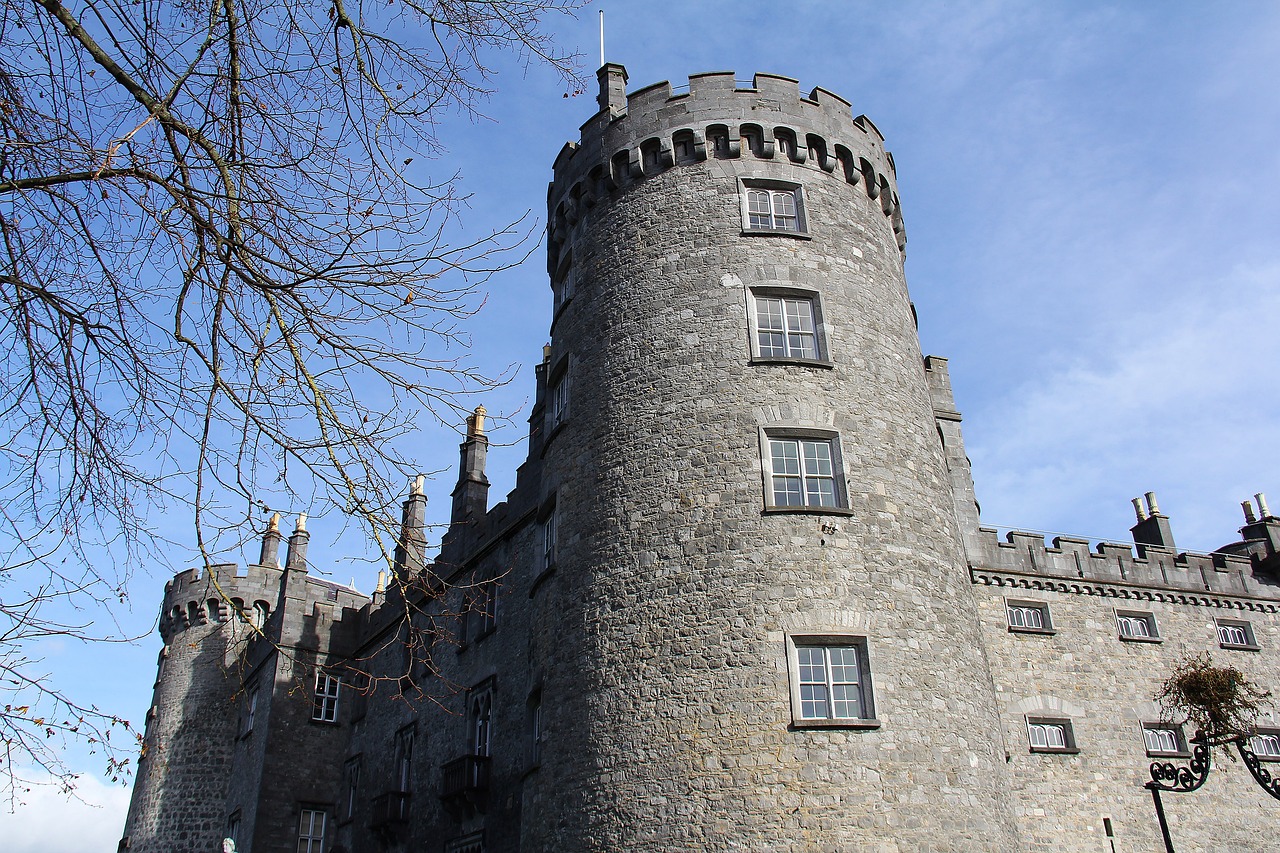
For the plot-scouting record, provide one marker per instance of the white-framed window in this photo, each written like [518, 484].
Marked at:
[558, 398]
[311, 826]
[549, 540]
[786, 326]
[1266, 744]
[803, 471]
[481, 720]
[1138, 626]
[324, 705]
[1029, 617]
[1050, 734]
[250, 709]
[562, 288]
[773, 207]
[1236, 634]
[1163, 739]
[830, 681]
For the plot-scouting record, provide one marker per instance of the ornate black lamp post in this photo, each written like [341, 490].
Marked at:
[1182, 779]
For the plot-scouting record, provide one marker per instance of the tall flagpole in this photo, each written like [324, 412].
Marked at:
[602, 38]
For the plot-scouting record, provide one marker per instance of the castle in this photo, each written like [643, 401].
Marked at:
[740, 597]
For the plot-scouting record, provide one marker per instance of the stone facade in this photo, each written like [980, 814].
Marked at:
[746, 497]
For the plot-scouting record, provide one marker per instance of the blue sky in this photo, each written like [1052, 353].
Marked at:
[1090, 194]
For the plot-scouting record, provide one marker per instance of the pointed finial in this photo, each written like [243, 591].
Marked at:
[301, 526]
[273, 526]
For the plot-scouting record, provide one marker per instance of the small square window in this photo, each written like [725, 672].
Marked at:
[1137, 626]
[1164, 739]
[786, 325]
[324, 706]
[1051, 734]
[1028, 617]
[803, 472]
[1266, 744]
[771, 207]
[1236, 634]
[830, 682]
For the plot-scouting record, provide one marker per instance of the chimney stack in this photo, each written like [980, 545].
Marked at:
[270, 554]
[1152, 529]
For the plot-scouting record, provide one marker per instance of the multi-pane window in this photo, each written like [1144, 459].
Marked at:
[785, 327]
[404, 758]
[482, 609]
[311, 831]
[350, 787]
[802, 472]
[832, 683]
[558, 400]
[1233, 634]
[1136, 626]
[549, 541]
[562, 289]
[535, 729]
[1163, 739]
[1048, 735]
[773, 210]
[1266, 744]
[481, 722]
[324, 706]
[250, 709]
[1028, 616]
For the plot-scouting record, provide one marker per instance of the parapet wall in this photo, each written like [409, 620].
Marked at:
[1023, 560]
[656, 129]
[193, 597]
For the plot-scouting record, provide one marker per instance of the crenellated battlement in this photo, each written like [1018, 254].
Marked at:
[1022, 560]
[717, 117]
[194, 598]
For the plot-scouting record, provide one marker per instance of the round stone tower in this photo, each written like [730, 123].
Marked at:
[197, 712]
[759, 633]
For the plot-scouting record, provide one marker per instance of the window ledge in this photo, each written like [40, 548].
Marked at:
[1046, 750]
[1234, 647]
[808, 510]
[770, 232]
[800, 362]
[1151, 754]
[1125, 639]
[331, 724]
[1015, 629]
[867, 723]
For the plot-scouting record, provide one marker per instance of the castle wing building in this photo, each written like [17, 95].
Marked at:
[740, 597]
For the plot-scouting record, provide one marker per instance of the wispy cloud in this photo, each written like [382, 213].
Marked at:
[50, 822]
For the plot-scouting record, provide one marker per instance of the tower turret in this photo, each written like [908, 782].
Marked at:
[761, 603]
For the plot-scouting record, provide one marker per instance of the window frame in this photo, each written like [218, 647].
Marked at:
[787, 293]
[865, 686]
[480, 707]
[1046, 617]
[1251, 641]
[831, 439]
[1069, 746]
[1180, 750]
[351, 771]
[1270, 733]
[1124, 617]
[306, 831]
[250, 710]
[559, 388]
[325, 703]
[777, 190]
[403, 767]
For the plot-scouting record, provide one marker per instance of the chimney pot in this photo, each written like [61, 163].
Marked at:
[1138, 509]
[1263, 510]
[1249, 517]
[1152, 506]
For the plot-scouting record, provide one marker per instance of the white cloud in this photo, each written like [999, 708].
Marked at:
[47, 821]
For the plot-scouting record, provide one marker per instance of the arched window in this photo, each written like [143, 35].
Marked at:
[261, 610]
